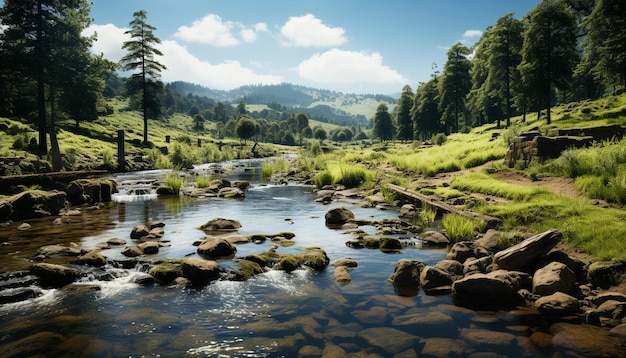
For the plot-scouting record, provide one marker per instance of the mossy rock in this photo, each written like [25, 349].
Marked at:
[166, 272]
[605, 273]
[258, 238]
[247, 269]
[260, 259]
[390, 243]
[288, 263]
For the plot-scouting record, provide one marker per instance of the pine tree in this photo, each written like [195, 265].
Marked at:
[141, 58]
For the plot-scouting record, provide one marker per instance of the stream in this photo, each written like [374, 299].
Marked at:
[302, 313]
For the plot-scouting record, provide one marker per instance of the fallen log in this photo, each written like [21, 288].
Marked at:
[44, 179]
[443, 206]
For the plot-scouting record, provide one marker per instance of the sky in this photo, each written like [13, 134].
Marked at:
[351, 46]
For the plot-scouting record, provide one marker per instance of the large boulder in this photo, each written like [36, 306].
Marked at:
[139, 232]
[495, 287]
[605, 273]
[36, 203]
[407, 273]
[220, 225]
[92, 258]
[200, 271]
[434, 280]
[214, 247]
[555, 277]
[521, 255]
[90, 191]
[338, 216]
[557, 303]
[52, 275]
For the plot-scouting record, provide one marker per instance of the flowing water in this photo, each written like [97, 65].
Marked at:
[302, 313]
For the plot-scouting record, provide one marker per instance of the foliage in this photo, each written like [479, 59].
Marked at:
[458, 228]
[323, 178]
[145, 82]
[175, 182]
[270, 167]
[383, 125]
[454, 85]
[404, 125]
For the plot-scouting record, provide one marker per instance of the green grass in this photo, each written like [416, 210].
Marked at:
[175, 182]
[459, 228]
[488, 184]
[270, 167]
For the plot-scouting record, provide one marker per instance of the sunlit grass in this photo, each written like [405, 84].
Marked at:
[459, 228]
[270, 167]
[487, 184]
[175, 182]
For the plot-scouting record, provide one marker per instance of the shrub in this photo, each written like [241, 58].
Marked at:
[323, 178]
[439, 138]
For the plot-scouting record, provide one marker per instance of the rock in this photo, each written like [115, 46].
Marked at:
[58, 250]
[407, 273]
[604, 274]
[494, 341]
[374, 315]
[156, 232]
[18, 294]
[309, 351]
[200, 271]
[220, 225]
[607, 296]
[156, 224]
[518, 256]
[461, 251]
[231, 193]
[407, 211]
[389, 339]
[619, 331]
[489, 241]
[428, 323]
[435, 280]
[389, 244]
[216, 247]
[52, 275]
[149, 247]
[83, 191]
[5, 211]
[36, 203]
[482, 265]
[453, 267]
[338, 216]
[116, 242]
[558, 303]
[555, 277]
[132, 251]
[442, 347]
[166, 272]
[92, 258]
[348, 262]
[573, 264]
[139, 232]
[435, 238]
[342, 274]
[585, 341]
[478, 288]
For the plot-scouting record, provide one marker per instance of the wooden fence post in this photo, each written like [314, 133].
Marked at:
[121, 162]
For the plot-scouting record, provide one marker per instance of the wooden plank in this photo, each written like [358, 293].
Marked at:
[443, 206]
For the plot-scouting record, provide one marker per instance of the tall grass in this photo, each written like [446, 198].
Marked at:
[487, 184]
[175, 182]
[459, 228]
[272, 166]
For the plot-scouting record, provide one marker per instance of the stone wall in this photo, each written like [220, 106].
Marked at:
[532, 144]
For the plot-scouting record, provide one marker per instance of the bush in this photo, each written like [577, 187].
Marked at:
[323, 178]
[439, 138]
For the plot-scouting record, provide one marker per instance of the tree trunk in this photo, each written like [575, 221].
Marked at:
[41, 92]
[55, 151]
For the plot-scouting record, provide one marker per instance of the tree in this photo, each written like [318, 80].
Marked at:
[241, 108]
[198, 123]
[605, 52]
[383, 125]
[43, 44]
[549, 51]
[141, 58]
[454, 85]
[246, 127]
[302, 122]
[425, 113]
[404, 125]
[221, 115]
[319, 133]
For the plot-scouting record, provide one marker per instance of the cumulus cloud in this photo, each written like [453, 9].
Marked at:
[309, 31]
[212, 30]
[472, 34]
[183, 66]
[348, 67]
[110, 39]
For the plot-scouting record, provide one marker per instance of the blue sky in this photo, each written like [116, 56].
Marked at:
[353, 46]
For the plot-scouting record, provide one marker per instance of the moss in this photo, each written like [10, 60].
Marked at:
[166, 272]
[288, 263]
[390, 243]
[258, 238]
[286, 235]
[247, 269]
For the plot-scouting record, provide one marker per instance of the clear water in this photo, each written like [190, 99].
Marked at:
[275, 314]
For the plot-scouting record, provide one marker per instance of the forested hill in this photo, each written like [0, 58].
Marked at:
[336, 107]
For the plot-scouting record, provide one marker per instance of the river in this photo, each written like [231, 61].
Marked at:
[303, 313]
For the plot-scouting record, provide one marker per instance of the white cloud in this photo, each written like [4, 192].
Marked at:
[469, 34]
[183, 66]
[212, 30]
[309, 31]
[348, 67]
[209, 30]
[110, 39]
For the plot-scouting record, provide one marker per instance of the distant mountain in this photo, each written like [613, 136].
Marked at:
[323, 105]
